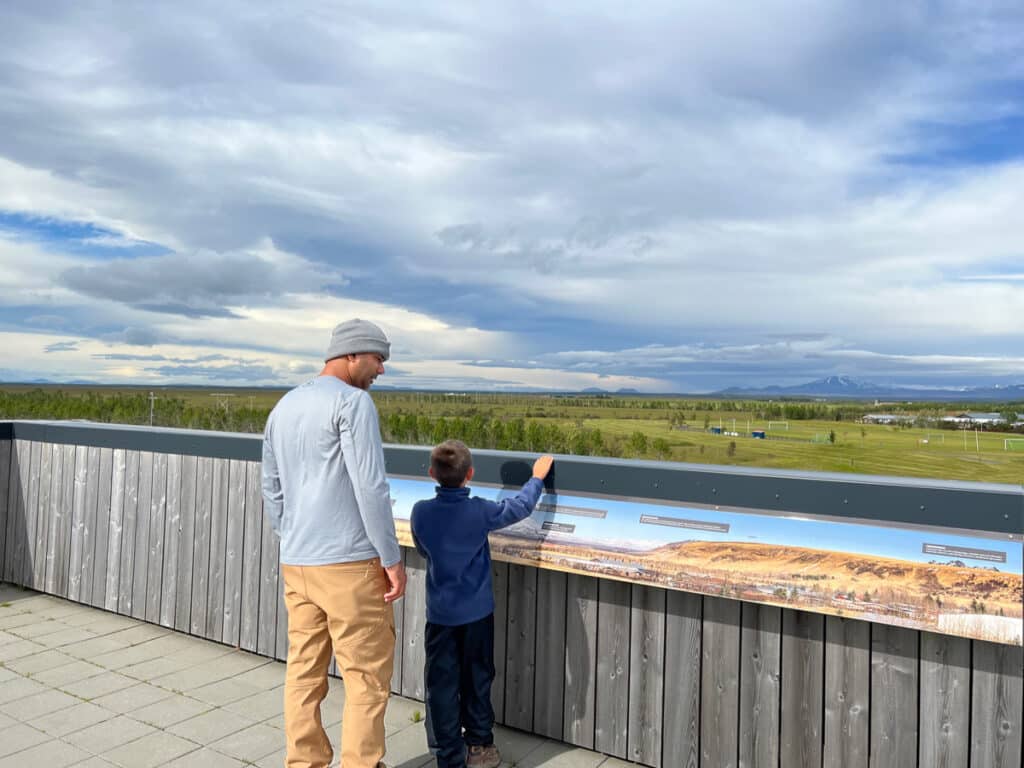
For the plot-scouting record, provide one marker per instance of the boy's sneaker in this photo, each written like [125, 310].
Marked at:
[483, 757]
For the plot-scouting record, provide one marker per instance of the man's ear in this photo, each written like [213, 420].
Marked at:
[469, 474]
[431, 473]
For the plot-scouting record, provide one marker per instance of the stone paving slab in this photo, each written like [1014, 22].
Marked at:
[132, 698]
[86, 688]
[56, 753]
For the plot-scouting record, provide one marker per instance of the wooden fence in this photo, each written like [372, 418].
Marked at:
[662, 678]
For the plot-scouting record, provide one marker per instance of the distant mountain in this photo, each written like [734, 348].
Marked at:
[844, 386]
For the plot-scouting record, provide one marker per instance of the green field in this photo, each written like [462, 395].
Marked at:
[808, 435]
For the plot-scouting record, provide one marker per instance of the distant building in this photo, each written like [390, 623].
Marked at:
[975, 419]
[886, 418]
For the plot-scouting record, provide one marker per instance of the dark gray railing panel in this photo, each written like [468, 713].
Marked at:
[993, 507]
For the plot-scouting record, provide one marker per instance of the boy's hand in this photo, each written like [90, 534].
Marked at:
[542, 466]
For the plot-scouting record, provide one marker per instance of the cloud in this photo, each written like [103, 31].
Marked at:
[226, 373]
[155, 358]
[203, 284]
[46, 321]
[61, 346]
[688, 189]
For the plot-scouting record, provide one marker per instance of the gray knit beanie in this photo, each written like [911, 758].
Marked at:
[355, 336]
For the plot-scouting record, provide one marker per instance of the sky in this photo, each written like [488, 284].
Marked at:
[667, 197]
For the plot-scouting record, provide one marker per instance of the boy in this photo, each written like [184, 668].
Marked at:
[450, 531]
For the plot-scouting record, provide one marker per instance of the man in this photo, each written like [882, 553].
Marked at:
[326, 496]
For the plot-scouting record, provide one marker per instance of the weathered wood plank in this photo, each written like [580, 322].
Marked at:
[71, 559]
[413, 657]
[218, 547]
[611, 709]
[847, 692]
[549, 686]
[186, 544]
[270, 591]
[81, 580]
[101, 545]
[74, 465]
[760, 689]
[201, 554]
[17, 534]
[646, 674]
[5, 490]
[169, 578]
[499, 579]
[7, 521]
[720, 657]
[65, 487]
[64, 547]
[40, 548]
[997, 705]
[580, 660]
[683, 653]
[802, 683]
[234, 544]
[143, 524]
[15, 542]
[399, 612]
[55, 513]
[945, 701]
[28, 466]
[252, 542]
[114, 538]
[129, 531]
[31, 515]
[894, 664]
[49, 474]
[521, 648]
[150, 562]
[157, 521]
[13, 495]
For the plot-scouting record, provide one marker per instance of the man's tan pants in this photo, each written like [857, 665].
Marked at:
[340, 605]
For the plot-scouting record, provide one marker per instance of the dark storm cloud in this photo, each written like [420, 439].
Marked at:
[196, 285]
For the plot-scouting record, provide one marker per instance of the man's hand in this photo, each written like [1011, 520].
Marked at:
[542, 466]
[396, 578]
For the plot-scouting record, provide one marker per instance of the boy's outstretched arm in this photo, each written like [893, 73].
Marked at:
[509, 511]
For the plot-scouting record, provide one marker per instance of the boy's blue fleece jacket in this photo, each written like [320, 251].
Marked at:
[450, 531]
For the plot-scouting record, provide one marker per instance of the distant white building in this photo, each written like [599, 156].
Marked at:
[976, 419]
[886, 418]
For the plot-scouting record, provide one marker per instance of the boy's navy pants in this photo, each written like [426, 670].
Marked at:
[459, 673]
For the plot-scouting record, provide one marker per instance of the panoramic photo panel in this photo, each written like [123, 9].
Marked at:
[965, 583]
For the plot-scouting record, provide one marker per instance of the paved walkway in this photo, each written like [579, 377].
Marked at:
[83, 687]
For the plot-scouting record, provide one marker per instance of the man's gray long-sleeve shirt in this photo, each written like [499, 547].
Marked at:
[324, 488]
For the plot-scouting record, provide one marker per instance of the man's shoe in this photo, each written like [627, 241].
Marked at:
[483, 757]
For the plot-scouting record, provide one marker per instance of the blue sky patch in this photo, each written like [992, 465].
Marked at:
[949, 145]
[75, 237]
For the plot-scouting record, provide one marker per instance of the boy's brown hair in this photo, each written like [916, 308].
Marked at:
[450, 462]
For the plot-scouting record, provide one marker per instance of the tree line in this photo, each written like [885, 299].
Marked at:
[504, 433]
